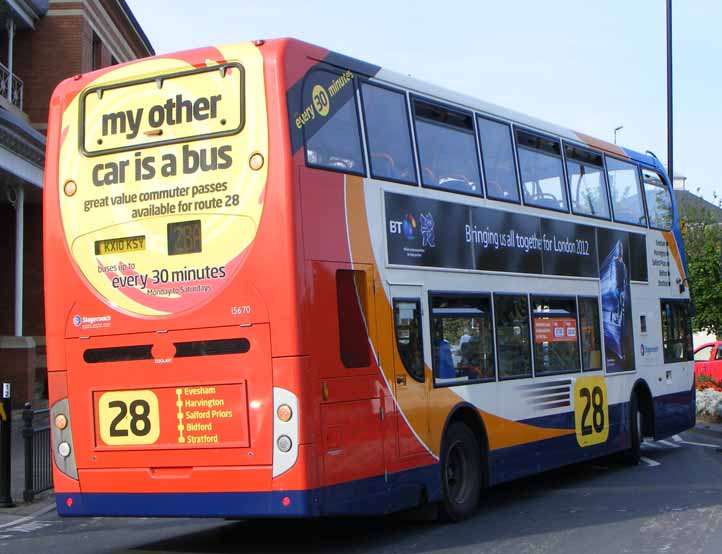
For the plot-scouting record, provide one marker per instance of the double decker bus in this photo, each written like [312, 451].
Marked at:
[284, 282]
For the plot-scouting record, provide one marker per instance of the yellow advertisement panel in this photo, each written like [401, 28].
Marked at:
[158, 199]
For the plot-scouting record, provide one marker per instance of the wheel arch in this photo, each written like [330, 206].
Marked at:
[646, 405]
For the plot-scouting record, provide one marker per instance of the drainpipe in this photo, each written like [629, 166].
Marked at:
[19, 250]
[11, 39]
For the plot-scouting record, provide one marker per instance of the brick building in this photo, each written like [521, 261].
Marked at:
[41, 43]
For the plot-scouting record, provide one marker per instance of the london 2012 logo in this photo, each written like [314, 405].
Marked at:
[427, 230]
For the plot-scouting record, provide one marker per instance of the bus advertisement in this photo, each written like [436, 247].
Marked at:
[282, 282]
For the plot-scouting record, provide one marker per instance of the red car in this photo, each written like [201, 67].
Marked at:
[708, 360]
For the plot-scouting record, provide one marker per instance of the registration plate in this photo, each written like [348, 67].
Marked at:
[119, 245]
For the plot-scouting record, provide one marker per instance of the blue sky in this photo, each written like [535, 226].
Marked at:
[590, 66]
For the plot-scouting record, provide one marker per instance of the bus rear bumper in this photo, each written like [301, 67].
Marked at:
[212, 504]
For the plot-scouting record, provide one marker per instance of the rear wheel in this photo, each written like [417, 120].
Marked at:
[460, 473]
[634, 454]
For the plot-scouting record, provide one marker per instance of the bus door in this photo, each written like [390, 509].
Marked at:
[409, 376]
[343, 332]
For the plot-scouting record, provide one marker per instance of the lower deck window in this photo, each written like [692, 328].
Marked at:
[676, 331]
[590, 334]
[511, 314]
[407, 326]
[462, 339]
[556, 345]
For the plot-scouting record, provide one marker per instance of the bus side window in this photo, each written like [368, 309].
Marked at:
[497, 155]
[511, 315]
[590, 334]
[332, 134]
[542, 174]
[556, 344]
[624, 189]
[353, 337]
[676, 331]
[447, 148]
[462, 340]
[407, 327]
[659, 204]
[587, 187]
[387, 134]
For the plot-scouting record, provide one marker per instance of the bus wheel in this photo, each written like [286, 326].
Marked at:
[460, 473]
[634, 454]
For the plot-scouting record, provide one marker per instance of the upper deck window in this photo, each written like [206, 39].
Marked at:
[497, 154]
[659, 203]
[333, 136]
[447, 148]
[542, 174]
[587, 185]
[387, 134]
[625, 191]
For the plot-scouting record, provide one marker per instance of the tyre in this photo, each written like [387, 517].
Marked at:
[461, 473]
[634, 454]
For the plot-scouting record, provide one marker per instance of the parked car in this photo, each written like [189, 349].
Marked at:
[708, 360]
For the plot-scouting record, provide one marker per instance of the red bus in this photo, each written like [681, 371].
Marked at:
[284, 282]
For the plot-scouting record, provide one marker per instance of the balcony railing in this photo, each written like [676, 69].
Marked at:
[14, 84]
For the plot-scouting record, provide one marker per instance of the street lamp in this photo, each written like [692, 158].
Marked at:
[615, 132]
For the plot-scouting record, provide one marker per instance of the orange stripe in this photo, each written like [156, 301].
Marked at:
[674, 247]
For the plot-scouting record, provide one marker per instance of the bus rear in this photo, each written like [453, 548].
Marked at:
[158, 293]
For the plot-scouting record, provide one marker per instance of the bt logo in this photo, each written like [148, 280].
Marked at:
[406, 226]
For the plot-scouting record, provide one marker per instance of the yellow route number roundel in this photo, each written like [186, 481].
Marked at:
[129, 417]
[591, 411]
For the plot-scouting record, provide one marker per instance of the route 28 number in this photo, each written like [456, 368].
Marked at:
[591, 411]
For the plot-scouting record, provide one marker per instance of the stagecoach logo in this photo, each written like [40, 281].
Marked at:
[91, 322]
[648, 349]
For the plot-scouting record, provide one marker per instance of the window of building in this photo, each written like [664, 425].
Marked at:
[462, 339]
[353, 337]
[388, 136]
[96, 52]
[556, 342]
[676, 331]
[407, 326]
[587, 185]
[590, 334]
[511, 314]
[497, 155]
[542, 174]
[659, 203]
[624, 189]
[447, 148]
[703, 354]
[333, 136]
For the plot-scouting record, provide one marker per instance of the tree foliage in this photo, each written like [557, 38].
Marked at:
[702, 236]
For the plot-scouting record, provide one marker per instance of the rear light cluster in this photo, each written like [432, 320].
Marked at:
[62, 438]
[285, 430]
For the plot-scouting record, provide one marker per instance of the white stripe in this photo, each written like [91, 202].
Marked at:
[670, 444]
[650, 463]
[22, 520]
[652, 444]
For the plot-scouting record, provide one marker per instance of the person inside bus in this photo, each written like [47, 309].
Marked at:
[444, 360]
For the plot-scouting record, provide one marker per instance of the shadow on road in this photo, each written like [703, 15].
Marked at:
[571, 498]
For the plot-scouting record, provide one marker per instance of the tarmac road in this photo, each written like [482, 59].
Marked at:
[672, 502]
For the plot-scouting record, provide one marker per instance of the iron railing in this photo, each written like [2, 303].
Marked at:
[38, 452]
[13, 84]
